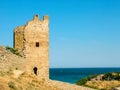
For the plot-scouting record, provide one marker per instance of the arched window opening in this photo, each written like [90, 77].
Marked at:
[35, 70]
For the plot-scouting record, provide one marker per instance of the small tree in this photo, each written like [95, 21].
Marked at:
[108, 76]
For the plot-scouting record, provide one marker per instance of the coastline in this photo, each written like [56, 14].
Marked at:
[71, 75]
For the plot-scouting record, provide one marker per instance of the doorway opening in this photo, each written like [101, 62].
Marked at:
[35, 70]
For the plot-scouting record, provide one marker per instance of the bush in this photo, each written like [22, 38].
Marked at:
[13, 50]
[92, 76]
[117, 76]
[111, 76]
[108, 76]
[12, 85]
[82, 81]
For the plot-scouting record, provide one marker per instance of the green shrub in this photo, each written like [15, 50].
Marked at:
[13, 50]
[91, 77]
[111, 76]
[12, 85]
[108, 76]
[117, 76]
[82, 81]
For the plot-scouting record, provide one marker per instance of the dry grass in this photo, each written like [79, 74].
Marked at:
[103, 85]
[31, 82]
[24, 82]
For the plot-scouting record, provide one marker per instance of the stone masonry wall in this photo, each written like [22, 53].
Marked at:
[19, 38]
[33, 41]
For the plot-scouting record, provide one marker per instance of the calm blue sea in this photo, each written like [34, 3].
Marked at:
[72, 75]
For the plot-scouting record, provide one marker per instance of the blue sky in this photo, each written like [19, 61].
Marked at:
[83, 33]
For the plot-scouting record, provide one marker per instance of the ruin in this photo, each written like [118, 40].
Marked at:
[32, 41]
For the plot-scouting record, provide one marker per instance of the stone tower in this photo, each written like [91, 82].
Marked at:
[32, 41]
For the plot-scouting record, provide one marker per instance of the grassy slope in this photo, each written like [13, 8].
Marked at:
[24, 82]
[10, 62]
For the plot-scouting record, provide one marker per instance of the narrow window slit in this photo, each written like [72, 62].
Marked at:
[37, 44]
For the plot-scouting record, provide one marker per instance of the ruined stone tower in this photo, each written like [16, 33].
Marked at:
[32, 41]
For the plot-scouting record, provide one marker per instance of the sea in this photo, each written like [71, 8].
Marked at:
[72, 75]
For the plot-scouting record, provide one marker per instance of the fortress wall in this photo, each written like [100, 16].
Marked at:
[19, 38]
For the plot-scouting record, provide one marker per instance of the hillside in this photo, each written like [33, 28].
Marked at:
[13, 76]
[24, 82]
[9, 61]
[107, 81]
[31, 82]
